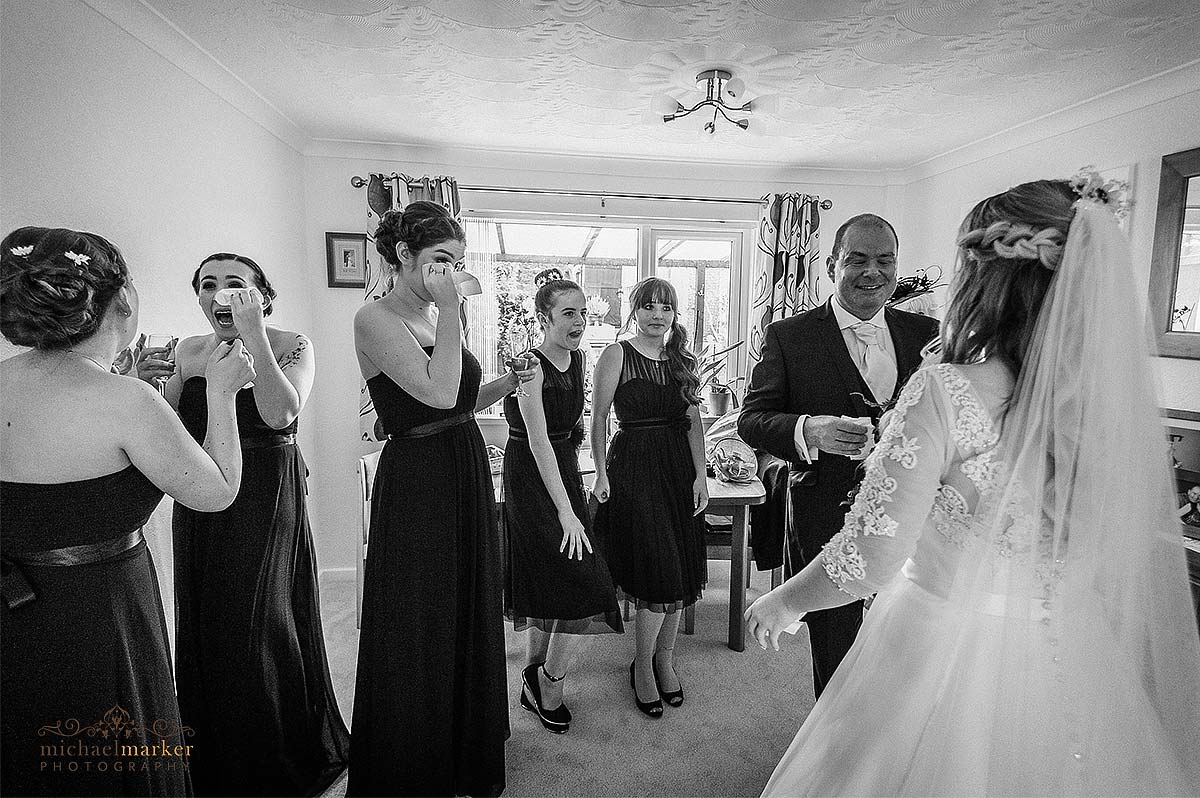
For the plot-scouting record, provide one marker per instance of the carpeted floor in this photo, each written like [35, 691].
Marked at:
[740, 713]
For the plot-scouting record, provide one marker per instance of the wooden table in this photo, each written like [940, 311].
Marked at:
[723, 497]
[735, 499]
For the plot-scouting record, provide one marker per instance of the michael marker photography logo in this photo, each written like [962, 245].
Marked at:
[116, 743]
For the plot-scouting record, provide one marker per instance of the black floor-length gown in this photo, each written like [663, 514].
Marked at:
[546, 589]
[430, 700]
[652, 541]
[250, 651]
[86, 665]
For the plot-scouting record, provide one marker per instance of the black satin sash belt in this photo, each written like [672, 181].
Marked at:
[16, 587]
[268, 442]
[655, 423]
[555, 437]
[433, 427]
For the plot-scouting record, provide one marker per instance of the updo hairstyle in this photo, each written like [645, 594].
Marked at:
[421, 225]
[260, 277]
[56, 285]
[550, 283]
[1009, 248]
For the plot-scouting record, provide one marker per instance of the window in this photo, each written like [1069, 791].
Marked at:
[606, 258]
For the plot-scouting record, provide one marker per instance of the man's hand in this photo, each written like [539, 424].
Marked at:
[836, 435]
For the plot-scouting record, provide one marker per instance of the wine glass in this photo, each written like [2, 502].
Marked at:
[521, 362]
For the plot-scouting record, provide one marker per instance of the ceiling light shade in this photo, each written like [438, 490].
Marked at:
[664, 104]
[717, 84]
[766, 104]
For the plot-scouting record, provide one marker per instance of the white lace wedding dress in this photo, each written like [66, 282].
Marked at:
[993, 660]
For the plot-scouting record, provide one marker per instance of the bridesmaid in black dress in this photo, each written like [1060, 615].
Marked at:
[430, 703]
[652, 487]
[558, 588]
[85, 456]
[250, 651]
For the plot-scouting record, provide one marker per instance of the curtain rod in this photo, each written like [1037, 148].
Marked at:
[359, 182]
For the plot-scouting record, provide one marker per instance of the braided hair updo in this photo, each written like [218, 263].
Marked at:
[1009, 248]
[56, 285]
[420, 225]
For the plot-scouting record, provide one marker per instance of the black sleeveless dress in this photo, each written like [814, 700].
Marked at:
[652, 542]
[86, 662]
[250, 651]
[431, 694]
[546, 589]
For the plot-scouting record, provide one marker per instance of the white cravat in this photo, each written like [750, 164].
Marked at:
[877, 368]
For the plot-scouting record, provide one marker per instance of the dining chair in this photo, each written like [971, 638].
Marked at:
[367, 464]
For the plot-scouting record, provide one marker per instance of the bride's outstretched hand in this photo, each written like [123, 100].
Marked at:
[768, 617]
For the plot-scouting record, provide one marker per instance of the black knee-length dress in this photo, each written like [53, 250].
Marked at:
[546, 589]
[652, 542]
[430, 701]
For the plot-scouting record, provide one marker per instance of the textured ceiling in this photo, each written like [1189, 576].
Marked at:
[870, 84]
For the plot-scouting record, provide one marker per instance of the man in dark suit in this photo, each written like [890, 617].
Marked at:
[820, 370]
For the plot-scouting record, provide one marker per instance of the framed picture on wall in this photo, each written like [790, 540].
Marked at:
[346, 259]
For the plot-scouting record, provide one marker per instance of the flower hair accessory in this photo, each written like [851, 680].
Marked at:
[1091, 185]
[21, 252]
[546, 275]
[80, 260]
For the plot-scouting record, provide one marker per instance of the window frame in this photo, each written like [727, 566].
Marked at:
[651, 229]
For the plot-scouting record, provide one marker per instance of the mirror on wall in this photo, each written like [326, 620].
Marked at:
[1175, 264]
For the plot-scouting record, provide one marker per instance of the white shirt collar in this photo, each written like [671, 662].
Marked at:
[846, 319]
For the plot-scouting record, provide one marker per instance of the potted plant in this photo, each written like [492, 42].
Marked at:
[597, 309]
[720, 393]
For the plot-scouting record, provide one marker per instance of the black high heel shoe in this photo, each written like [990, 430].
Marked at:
[673, 699]
[557, 720]
[653, 709]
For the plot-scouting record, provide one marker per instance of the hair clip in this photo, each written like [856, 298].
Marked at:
[21, 251]
[1088, 184]
[80, 260]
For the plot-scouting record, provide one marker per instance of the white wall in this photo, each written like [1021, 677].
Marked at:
[934, 204]
[101, 133]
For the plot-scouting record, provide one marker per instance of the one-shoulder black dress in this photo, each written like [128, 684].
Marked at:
[250, 651]
[653, 543]
[88, 702]
[430, 700]
[546, 589]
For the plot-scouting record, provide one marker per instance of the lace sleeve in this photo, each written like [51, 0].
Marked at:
[897, 492]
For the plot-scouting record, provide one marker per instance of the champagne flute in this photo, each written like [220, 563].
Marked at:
[162, 341]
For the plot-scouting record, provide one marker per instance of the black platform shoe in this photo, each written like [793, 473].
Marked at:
[557, 720]
[674, 698]
[653, 709]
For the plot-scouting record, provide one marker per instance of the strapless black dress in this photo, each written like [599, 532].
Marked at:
[88, 702]
[431, 694]
[250, 651]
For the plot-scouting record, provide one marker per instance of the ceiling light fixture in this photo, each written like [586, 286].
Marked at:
[717, 84]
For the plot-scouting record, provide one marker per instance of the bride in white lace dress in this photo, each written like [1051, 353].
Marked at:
[1033, 632]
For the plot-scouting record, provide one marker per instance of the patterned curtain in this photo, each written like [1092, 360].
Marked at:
[385, 193]
[785, 271]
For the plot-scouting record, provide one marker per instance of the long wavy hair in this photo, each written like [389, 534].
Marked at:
[1009, 246]
[681, 363]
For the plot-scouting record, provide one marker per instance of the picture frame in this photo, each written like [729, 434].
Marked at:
[346, 259]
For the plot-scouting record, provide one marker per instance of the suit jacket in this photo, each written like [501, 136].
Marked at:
[806, 369]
